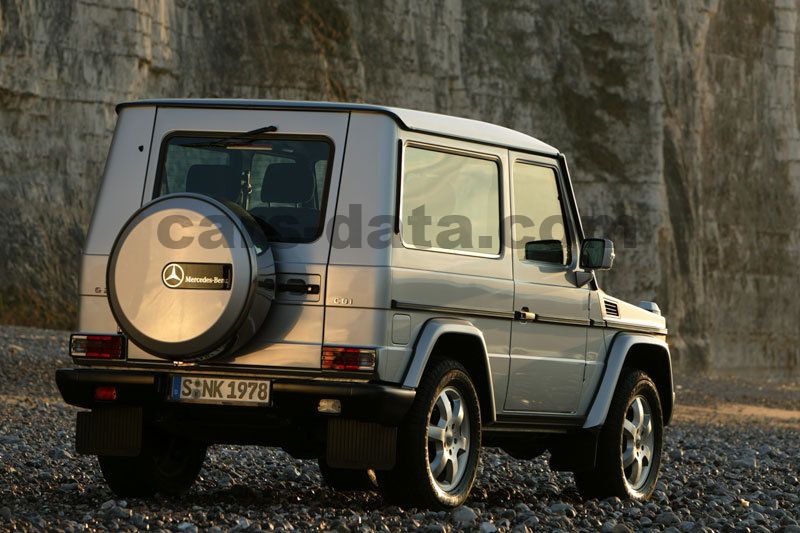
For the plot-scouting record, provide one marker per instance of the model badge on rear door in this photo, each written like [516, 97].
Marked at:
[209, 276]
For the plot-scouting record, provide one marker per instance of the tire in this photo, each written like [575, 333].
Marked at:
[168, 467]
[345, 479]
[437, 470]
[625, 434]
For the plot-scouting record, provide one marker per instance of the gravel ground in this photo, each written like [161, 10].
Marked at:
[767, 392]
[722, 472]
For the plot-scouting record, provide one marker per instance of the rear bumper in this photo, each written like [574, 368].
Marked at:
[291, 398]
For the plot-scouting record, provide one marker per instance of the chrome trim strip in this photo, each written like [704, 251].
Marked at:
[481, 313]
[634, 327]
[545, 319]
[567, 321]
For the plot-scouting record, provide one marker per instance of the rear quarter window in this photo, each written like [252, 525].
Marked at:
[450, 202]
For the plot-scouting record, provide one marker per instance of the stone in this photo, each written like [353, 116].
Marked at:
[138, 521]
[522, 508]
[463, 515]
[108, 504]
[487, 527]
[562, 509]
[58, 453]
[748, 461]
[187, 527]
[120, 512]
[241, 524]
[668, 519]
[532, 521]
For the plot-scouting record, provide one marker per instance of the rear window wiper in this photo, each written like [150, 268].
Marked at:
[237, 138]
[257, 131]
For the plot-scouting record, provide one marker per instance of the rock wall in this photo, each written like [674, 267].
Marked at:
[679, 119]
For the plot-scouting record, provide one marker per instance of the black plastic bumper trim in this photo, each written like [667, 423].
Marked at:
[370, 402]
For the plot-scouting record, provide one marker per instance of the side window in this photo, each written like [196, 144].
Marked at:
[450, 202]
[540, 232]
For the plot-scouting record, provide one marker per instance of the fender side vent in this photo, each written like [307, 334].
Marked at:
[612, 309]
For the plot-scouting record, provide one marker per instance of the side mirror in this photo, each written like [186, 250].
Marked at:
[597, 254]
[547, 251]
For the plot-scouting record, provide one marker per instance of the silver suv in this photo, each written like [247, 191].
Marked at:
[380, 289]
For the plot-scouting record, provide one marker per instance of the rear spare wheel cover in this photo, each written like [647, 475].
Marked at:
[183, 274]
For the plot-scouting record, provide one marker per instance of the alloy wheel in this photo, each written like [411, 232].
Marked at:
[448, 439]
[638, 443]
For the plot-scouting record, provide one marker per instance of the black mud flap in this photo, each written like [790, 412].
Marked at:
[354, 444]
[115, 431]
[574, 453]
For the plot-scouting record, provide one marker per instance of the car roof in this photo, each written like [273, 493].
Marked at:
[409, 119]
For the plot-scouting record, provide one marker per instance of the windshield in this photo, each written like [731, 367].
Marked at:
[281, 182]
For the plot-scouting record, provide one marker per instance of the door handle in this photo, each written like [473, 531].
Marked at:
[524, 315]
[298, 286]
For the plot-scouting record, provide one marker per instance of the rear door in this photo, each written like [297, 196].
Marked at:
[292, 334]
[548, 339]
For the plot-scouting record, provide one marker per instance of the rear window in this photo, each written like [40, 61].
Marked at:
[282, 183]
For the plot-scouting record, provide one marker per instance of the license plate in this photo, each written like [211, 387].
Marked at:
[216, 390]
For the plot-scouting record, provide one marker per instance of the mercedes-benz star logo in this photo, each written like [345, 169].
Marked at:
[172, 275]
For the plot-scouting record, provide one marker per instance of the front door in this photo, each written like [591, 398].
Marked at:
[548, 337]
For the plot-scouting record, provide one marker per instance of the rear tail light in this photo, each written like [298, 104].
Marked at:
[347, 358]
[97, 346]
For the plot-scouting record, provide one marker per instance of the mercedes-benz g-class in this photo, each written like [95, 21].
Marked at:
[380, 289]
